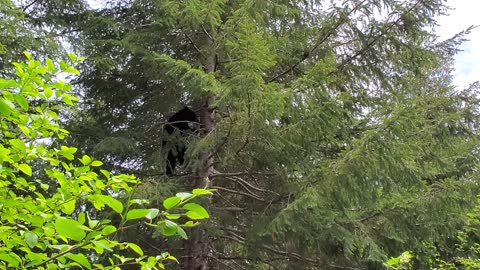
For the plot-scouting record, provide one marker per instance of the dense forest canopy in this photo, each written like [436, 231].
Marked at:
[330, 130]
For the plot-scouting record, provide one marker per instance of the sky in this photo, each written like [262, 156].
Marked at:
[463, 14]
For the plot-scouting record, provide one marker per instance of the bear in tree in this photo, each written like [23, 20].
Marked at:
[180, 125]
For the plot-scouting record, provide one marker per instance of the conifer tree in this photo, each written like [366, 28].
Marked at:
[331, 130]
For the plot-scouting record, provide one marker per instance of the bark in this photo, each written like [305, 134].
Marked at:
[197, 247]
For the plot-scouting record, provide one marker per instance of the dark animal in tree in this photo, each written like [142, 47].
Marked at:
[179, 126]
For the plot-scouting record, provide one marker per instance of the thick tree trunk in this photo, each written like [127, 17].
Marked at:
[197, 247]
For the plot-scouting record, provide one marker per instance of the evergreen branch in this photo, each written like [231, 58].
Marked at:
[225, 199]
[229, 61]
[308, 53]
[295, 256]
[222, 262]
[372, 42]
[193, 43]
[290, 255]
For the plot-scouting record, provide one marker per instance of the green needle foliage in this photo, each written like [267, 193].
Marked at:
[332, 133]
[45, 189]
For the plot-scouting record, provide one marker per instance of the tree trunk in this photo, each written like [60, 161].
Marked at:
[197, 247]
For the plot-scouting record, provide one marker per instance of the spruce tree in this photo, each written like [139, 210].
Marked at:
[331, 131]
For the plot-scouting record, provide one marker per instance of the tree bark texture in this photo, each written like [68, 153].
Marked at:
[197, 247]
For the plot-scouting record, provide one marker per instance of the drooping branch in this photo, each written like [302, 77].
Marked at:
[374, 40]
[309, 52]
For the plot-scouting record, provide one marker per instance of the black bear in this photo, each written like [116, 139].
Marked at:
[183, 123]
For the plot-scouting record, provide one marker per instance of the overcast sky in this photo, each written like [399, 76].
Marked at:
[464, 13]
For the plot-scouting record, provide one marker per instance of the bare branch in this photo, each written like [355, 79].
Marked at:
[29, 5]
[253, 196]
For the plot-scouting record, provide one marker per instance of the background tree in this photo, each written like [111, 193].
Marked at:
[331, 130]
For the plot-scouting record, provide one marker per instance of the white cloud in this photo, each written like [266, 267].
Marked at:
[464, 13]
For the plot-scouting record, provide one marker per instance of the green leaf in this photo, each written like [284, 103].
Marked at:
[135, 248]
[113, 203]
[69, 206]
[70, 229]
[79, 258]
[22, 101]
[183, 195]
[201, 191]
[25, 169]
[153, 213]
[31, 239]
[50, 65]
[67, 152]
[196, 211]
[7, 84]
[72, 70]
[109, 230]
[28, 55]
[5, 108]
[171, 202]
[85, 160]
[12, 260]
[190, 224]
[137, 213]
[72, 56]
[169, 228]
[53, 115]
[96, 163]
[48, 92]
[18, 144]
[172, 216]
[181, 232]
[81, 217]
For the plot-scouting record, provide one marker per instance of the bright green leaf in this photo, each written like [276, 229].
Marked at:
[96, 163]
[79, 258]
[7, 84]
[48, 92]
[22, 101]
[113, 203]
[135, 248]
[201, 191]
[85, 160]
[109, 230]
[196, 211]
[181, 232]
[5, 107]
[153, 213]
[25, 169]
[137, 213]
[70, 229]
[171, 202]
[183, 195]
[69, 206]
[18, 144]
[9, 258]
[31, 239]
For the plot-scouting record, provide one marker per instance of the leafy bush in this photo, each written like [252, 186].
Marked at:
[45, 190]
